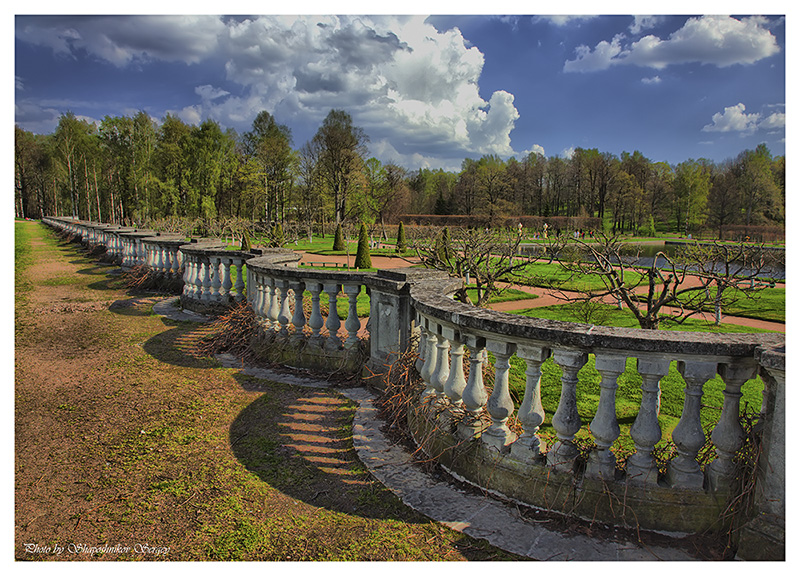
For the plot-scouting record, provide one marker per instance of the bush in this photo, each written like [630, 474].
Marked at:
[338, 238]
[363, 258]
[401, 238]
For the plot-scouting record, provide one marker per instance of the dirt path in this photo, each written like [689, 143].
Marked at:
[130, 446]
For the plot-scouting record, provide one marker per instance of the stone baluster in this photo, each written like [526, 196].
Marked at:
[299, 316]
[684, 470]
[441, 370]
[352, 324]
[159, 249]
[604, 426]
[227, 284]
[455, 383]
[332, 323]
[167, 260]
[646, 431]
[207, 277]
[566, 420]
[259, 291]
[175, 260]
[239, 287]
[139, 251]
[430, 359]
[283, 317]
[188, 281]
[531, 413]
[315, 321]
[500, 405]
[728, 434]
[214, 263]
[274, 310]
[474, 396]
[199, 276]
[421, 344]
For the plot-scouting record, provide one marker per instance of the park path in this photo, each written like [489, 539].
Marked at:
[541, 296]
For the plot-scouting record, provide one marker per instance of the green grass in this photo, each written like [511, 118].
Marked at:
[608, 315]
[554, 275]
[628, 398]
[508, 295]
[764, 304]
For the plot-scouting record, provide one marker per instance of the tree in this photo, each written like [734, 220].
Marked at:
[310, 204]
[486, 256]
[31, 165]
[761, 195]
[338, 239]
[71, 138]
[668, 288]
[270, 144]
[691, 187]
[401, 245]
[491, 172]
[342, 147]
[729, 271]
[363, 258]
[723, 205]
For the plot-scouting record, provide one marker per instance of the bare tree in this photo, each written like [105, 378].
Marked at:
[666, 288]
[731, 271]
[488, 257]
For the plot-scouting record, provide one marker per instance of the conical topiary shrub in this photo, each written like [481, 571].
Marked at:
[443, 246]
[363, 258]
[401, 238]
[338, 238]
[246, 242]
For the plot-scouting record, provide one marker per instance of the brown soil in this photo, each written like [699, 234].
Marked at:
[129, 445]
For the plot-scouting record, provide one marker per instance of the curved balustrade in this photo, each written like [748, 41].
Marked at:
[447, 327]
[288, 303]
[469, 425]
[213, 278]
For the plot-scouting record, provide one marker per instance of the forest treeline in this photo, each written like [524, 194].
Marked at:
[135, 170]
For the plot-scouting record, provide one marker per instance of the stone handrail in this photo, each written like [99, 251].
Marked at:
[467, 427]
[213, 278]
[448, 327]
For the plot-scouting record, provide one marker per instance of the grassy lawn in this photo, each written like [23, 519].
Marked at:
[764, 304]
[554, 276]
[508, 295]
[609, 315]
[629, 383]
[124, 435]
[628, 398]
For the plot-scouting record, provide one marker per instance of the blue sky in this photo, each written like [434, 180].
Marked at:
[429, 91]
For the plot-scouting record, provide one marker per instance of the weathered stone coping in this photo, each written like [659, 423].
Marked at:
[213, 248]
[431, 300]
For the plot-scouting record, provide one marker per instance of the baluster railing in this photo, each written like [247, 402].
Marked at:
[604, 426]
[500, 406]
[646, 431]
[531, 413]
[684, 470]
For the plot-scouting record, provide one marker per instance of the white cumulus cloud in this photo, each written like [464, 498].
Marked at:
[733, 119]
[641, 23]
[774, 122]
[401, 79]
[717, 40]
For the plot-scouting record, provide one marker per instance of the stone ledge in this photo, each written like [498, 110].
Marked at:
[617, 502]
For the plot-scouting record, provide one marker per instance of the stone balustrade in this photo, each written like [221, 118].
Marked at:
[481, 435]
[213, 278]
[447, 328]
